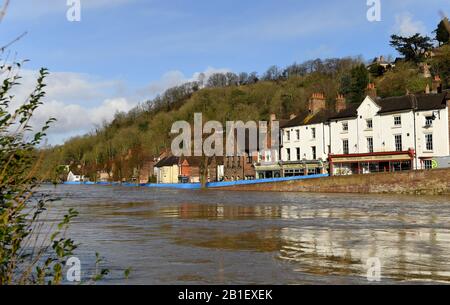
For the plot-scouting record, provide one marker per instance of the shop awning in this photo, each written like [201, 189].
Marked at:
[373, 157]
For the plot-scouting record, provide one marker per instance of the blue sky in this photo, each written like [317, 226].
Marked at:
[125, 51]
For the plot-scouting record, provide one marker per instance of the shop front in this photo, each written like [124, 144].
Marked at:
[354, 164]
[304, 168]
[268, 171]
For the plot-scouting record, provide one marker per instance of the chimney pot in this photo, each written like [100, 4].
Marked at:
[340, 103]
[371, 90]
[316, 103]
[437, 84]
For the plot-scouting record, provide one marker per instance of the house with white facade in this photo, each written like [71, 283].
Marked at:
[305, 139]
[167, 170]
[71, 177]
[391, 134]
[379, 135]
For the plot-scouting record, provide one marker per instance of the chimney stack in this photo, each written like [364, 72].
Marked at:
[273, 117]
[427, 89]
[437, 84]
[371, 91]
[341, 103]
[316, 103]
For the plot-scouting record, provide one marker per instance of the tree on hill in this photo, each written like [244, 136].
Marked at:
[440, 65]
[442, 33]
[413, 48]
[405, 77]
[354, 83]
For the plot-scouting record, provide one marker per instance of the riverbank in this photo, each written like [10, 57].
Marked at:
[429, 182]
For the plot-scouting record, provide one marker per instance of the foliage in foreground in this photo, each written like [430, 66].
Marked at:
[31, 252]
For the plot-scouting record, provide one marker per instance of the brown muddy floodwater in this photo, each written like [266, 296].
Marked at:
[220, 237]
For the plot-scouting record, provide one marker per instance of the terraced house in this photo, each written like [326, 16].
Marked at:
[378, 135]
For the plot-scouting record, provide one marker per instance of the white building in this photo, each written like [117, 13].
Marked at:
[392, 134]
[305, 141]
[378, 135]
[71, 177]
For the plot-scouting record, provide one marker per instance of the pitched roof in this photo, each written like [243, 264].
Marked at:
[168, 161]
[306, 118]
[418, 102]
[349, 112]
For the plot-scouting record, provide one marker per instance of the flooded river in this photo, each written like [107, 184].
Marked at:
[219, 237]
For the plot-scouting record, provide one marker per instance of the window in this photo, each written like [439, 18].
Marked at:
[298, 134]
[370, 145]
[314, 153]
[288, 135]
[398, 142]
[288, 153]
[345, 147]
[268, 156]
[428, 164]
[249, 159]
[429, 142]
[345, 126]
[313, 133]
[298, 154]
[398, 121]
[329, 149]
[369, 124]
[429, 121]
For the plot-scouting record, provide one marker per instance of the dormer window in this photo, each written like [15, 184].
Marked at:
[369, 124]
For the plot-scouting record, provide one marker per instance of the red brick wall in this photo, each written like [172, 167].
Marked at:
[238, 168]
[413, 182]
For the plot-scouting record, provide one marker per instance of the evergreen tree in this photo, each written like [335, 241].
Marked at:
[442, 33]
[413, 48]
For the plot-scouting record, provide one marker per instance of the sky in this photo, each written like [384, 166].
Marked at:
[123, 52]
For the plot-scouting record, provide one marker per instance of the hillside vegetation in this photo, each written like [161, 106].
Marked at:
[122, 146]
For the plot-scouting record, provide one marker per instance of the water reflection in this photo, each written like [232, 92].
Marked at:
[186, 237]
[407, 250]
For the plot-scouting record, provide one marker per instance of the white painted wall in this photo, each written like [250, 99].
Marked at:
[439, 129]
[306, 142]
[383, 134]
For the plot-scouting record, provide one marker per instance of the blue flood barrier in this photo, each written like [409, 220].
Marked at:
[196, 186]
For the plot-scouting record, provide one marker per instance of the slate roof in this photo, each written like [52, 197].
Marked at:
[168, 161]
[418, 102]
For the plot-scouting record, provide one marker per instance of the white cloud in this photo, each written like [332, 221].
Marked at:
[73, 118]
[80, 102]
[405, 25]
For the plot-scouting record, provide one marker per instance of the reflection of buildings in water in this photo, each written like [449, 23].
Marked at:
[414, 253]
[199, 211]
[331, 240]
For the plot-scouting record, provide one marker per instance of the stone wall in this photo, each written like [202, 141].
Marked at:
[431, 182]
